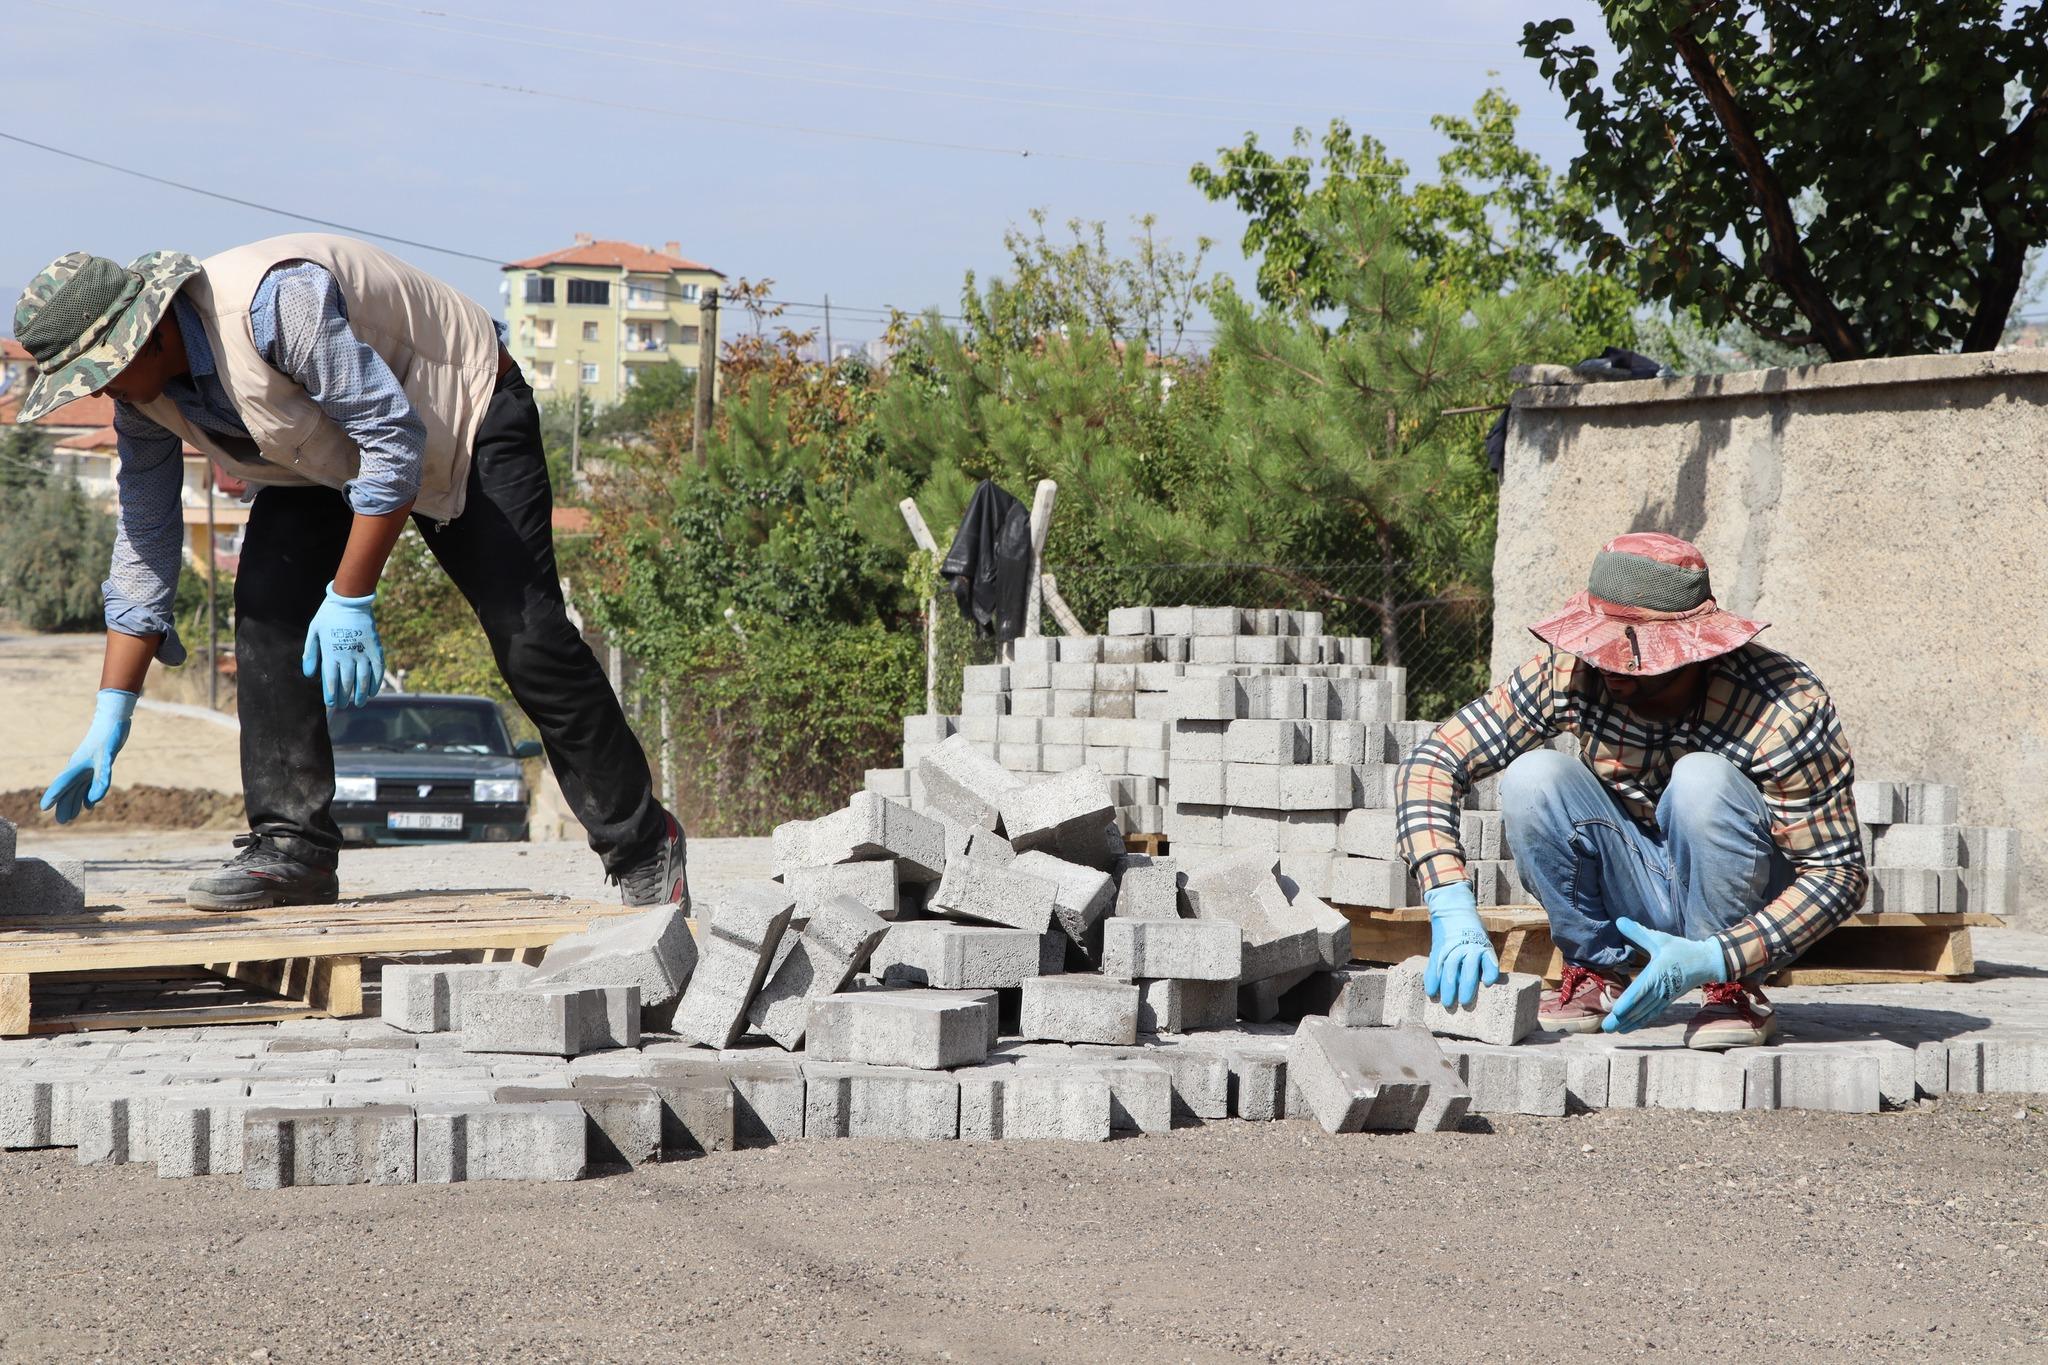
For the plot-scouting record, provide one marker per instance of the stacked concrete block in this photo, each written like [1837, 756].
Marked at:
[1383, 1078]
[484, 1140]
[1179, 1005]
[1923, 861]
[872, 828]
[1069, 815]
[1007, 894]
[366, 1145]
[556, 1021]
[740, 935]
[653, 952]
[1079, 1009]
[1148, 888]
[835, 944]
[852, 1100]
[1082, 895]
[962, 782]
[1501, 1013]
[960, 956]
[873, 885]
[919, 1029]
[1182, 949]
[1002, 1101]
[622, 1116]
[8, 842]
[427, 998]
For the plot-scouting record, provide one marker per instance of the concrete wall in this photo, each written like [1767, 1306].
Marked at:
[1888, 517]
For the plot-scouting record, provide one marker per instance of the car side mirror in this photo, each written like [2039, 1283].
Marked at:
[526, 748]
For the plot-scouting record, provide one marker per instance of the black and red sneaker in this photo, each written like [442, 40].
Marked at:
[661, 878]
[261, 875]
[1736, 1014]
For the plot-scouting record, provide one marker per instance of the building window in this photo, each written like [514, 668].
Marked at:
[543, 374]
[590, 331]
[643, 296]
[539, 289]
[589, 372]
[686, 335]
[646, 336]
[590, 291]
[543, 331]
[689, 294]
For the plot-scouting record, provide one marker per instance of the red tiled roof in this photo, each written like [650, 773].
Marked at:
[10, 349]
[99, 438]
[93, 410]
[616, 256]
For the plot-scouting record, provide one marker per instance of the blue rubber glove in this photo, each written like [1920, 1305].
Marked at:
[1460, 954]
[342, 644]
[84, 781]
[1677, 965]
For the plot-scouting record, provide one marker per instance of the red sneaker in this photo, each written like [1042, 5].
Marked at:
[1736, 1015]
[1580, 1001]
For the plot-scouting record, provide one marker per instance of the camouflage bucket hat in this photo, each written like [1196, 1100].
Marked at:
[85, 318]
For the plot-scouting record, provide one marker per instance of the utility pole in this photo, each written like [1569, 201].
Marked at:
[576, 425]
[212, 599]
[707, 375]
[828, 331]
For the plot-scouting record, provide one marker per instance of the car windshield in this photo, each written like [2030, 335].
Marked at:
[449, 727]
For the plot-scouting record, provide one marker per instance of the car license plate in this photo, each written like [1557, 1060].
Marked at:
[414, 819]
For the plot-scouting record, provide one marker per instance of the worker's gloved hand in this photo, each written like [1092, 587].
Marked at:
[1677, 965]
[1461, 956]
[342, 644]
[85, 779]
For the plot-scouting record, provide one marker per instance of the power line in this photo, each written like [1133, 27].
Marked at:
[1154, 21]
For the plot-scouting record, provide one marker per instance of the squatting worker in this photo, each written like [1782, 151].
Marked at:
[1705, 821]
[351, 389]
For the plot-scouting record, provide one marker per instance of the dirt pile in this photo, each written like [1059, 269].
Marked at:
[140, 807]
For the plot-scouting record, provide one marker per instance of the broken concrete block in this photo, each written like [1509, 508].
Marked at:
[921, 1029]
[870, 829]
[1352, 996]
[556, 1021]
[1065, 815]
[427, 998]
[368, 1145]
[623, 1116]
[962, 782]
[1353, 1079]
[1081, 895]
[1187, 949]
[768, 1096]
[1174, 1005]
[834, 945]
[735, 954]
[849, 1100]
[1079, 1009]
[654, 951]
[1149, 892]
[484, 1140]
[874, 885]
[996, 893]
[958, 956]
[1004, 1101]
[37, 887]
[1511, 1080]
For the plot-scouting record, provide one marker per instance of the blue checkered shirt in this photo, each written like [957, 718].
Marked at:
[300, 326]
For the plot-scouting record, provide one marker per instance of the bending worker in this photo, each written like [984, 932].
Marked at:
[1705, 824]
[352, 390]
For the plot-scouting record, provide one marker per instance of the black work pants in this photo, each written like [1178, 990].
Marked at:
[501, 554]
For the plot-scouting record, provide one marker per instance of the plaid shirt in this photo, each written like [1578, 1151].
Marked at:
[1763, 712]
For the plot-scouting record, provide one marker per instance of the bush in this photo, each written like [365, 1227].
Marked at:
[54, 546]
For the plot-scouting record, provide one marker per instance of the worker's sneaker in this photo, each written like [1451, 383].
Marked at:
[661, 878]
[1580, 1001]
[1735, 1015]
[260, 875]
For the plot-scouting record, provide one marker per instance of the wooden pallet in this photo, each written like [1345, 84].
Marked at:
[288, 963]
[1866, 949]
[1151, 845]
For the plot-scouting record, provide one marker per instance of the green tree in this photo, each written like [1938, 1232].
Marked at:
[1895, 120]
[54, 546]
[24, 460]
[1147, 298]
[1498, 218]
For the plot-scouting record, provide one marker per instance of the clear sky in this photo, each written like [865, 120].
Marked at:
[503, 127]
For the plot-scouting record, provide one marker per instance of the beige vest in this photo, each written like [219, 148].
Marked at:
[440, 344]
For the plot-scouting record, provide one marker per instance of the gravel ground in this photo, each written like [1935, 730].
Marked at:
[1777, 1235]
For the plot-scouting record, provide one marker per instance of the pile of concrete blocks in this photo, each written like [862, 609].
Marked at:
[34, 886]
[1923, 861]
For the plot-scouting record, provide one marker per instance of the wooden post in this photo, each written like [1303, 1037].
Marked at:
[668, 764]
[707, 374]
[1057, 605]
[922, 534]
[1041, 522]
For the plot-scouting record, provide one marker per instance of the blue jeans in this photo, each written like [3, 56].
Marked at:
[1710, 862]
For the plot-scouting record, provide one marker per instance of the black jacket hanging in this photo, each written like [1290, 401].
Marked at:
[990, 562]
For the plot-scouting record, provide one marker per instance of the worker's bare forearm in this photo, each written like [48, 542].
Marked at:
[369, 545]
[127, 660]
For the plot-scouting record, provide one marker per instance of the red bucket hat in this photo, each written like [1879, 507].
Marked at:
[1647, 609]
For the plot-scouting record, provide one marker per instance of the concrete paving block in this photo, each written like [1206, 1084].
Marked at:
[1355, 997]
[1064, 814]
[114, 1123]
[1370, 834]
[1258, 1001]
[1586, 1077]
[653, 951]
[1930, 1068]
[1512, 1080]
[957, 956]
[367, 1145]
[9, 840]
[38, 887]
[1502, 1013]
[1193, 950]
[1878, 803]
[1198, 1073]
[1206, 698]
[834, 945]
[1001, 1101]
[200, 1133]
[485, 1140]
[556, 1021]
[1175, 1005]
[1932, 803]
[1077, 1008]
[1675, 1078]
[1006, 894]
[623, 1116]
[1809, 1078]
[1268, 742]
[427, 998]
[768, 1096]
[850, 1100]
[1082, 894]
[699, 1108]
[1150, 892]
[920, 1029]
[965, 784]
[735, 953]
[1258, 1077]
[1140, 1090]
[1908, 845]
[1982, 1066]
[1287, 900]
[1374, 883]
[871, 828]
[1198, 783]
[1389, 1078]
[1241, 888]
[873, 885]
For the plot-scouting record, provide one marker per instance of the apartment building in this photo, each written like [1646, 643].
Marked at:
[587, 318]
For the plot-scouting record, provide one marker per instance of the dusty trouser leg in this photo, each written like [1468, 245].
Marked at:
[1587, 862]
[290, 551]
[1717, 832]
[501, 554]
